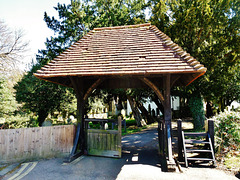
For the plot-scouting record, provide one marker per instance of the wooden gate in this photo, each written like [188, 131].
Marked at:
[102, 141]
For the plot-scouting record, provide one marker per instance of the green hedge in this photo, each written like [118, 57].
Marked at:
[197, 110]
[15, 122]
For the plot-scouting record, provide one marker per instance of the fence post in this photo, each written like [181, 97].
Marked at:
[211, 131]
[180, 141]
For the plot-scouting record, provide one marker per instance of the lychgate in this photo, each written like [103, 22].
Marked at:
[134, 56]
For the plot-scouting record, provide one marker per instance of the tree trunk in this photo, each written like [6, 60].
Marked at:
[209, 109]
[118, 105]
[135, 111]
[159, 105]
[42, 115]
[221, 104]
[145, 112]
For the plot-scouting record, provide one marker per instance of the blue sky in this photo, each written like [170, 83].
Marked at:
[27, 15]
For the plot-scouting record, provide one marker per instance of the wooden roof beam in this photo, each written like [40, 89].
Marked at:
[92, 87]
[154, 88]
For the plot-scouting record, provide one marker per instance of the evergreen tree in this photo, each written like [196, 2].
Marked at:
[8, 103]
[209, 31]
[73, 21]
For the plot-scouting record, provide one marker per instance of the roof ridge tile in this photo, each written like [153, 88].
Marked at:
[122, 27]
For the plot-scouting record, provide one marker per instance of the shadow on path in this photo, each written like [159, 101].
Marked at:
[138, 149]
[141, 148]
[139, 160]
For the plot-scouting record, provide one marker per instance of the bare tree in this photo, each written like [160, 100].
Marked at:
[12, 48]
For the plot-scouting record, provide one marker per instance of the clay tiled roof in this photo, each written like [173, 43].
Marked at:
[125, 50]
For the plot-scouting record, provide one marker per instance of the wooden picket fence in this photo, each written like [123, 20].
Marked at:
[37, 142]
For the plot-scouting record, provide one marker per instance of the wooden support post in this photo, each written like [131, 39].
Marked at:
[180, 140]
[120, 135]
[211, 131]
[162, 145]
[79, 90]
[171, 166]
[161, 137]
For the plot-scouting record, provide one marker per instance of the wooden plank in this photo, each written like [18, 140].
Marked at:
[57, 135]
[113, 142]
[55, 138]
[198, 151]
[3, 144]
[195, 134]
[32, 134]
[199, 159]
[101, 130]
[19, 151]
[99, 120]
[104, 141]
[68, 137]
[69, 134]
[194, 141]
[25, 144]
[39, 141]
[34, 142]
[11, 134]
[108, 141]
[41, 135]
[62, 139]
[47, 141]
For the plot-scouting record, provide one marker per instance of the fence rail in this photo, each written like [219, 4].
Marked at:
[38, 142]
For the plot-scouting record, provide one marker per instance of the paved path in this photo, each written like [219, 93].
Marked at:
[139, 161]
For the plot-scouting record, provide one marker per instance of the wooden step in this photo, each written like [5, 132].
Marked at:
[195, 134]
[198, 151]
[199, 145]
[189, 145]
[199, 159]
[194, 141]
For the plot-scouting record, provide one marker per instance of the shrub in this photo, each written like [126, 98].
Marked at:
[227, 131]
[196, 107]
[15, 122]
[131, 122]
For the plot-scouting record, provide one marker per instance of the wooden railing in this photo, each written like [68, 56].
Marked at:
[39, 142]
[102, 122]
[209, 129]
